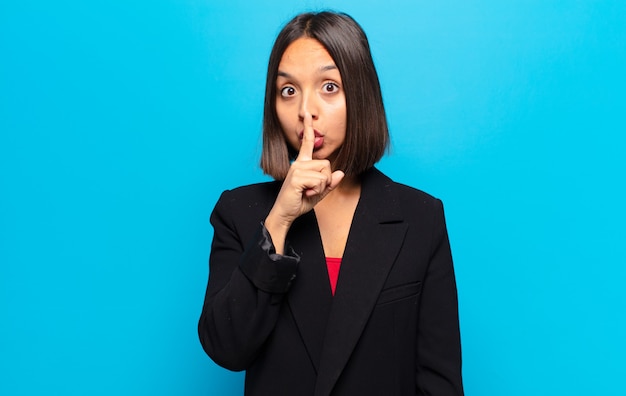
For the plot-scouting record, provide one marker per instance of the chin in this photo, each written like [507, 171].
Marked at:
[319, 156]
[323, 155]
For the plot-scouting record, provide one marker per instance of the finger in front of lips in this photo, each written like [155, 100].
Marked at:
[308, 139]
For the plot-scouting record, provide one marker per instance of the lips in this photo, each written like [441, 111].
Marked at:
[319, 139]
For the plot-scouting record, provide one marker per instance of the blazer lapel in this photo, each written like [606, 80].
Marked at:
[310, 297]
[376, 236]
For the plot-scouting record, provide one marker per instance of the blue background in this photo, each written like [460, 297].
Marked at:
[122, 121]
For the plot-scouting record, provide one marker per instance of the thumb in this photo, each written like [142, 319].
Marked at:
[335, 179]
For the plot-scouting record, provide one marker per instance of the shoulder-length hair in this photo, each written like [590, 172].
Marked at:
[367, 134]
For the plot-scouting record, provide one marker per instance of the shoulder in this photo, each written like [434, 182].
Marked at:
[401, 193]
[414, 194]
[390, 201]
[247, 203]
[419, 207]
[252, 193]
[397, 202]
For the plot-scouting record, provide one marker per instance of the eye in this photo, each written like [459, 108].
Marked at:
[287, 92]
[330, 87]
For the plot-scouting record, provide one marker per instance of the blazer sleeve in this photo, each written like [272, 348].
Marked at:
[439, 344]
[247, 283]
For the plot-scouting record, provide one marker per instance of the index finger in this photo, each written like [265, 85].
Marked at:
[308, 139]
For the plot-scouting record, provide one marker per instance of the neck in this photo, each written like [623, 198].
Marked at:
[348, 188]
[349, 184]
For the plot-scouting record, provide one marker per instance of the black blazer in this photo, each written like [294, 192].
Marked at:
[392, 327]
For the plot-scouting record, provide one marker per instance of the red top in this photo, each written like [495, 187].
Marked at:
[333, 264]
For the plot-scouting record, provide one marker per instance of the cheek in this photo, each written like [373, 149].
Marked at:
[287, 125]
[339, 110]
[340, 117]
[284, 116]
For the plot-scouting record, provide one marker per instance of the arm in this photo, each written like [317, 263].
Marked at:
[439, 343]
[248, 279]
[247, 283]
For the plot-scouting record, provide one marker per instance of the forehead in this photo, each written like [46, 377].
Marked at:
[305, 53]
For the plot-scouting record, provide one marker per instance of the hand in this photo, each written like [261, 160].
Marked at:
[307, 183]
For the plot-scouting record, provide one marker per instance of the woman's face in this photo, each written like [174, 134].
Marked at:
[309, 81]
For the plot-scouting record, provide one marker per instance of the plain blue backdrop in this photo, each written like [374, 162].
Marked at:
[122, 121]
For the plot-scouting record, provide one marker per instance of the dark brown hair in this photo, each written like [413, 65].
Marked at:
[367, 135]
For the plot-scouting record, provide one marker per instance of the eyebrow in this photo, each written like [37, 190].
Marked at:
[321, 70]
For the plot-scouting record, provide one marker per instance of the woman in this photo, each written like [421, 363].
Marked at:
[333, 279]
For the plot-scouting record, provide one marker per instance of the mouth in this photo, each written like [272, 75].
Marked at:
[319, 139]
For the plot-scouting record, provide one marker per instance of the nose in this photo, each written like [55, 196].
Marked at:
[308, 103]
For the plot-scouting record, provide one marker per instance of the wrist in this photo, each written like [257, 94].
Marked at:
[277, 228]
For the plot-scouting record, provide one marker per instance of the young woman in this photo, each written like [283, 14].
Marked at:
[332, 280]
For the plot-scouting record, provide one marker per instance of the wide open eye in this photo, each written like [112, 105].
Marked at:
[287, 92]
[330, 87]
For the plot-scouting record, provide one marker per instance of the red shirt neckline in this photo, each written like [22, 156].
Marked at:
[333, 264]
